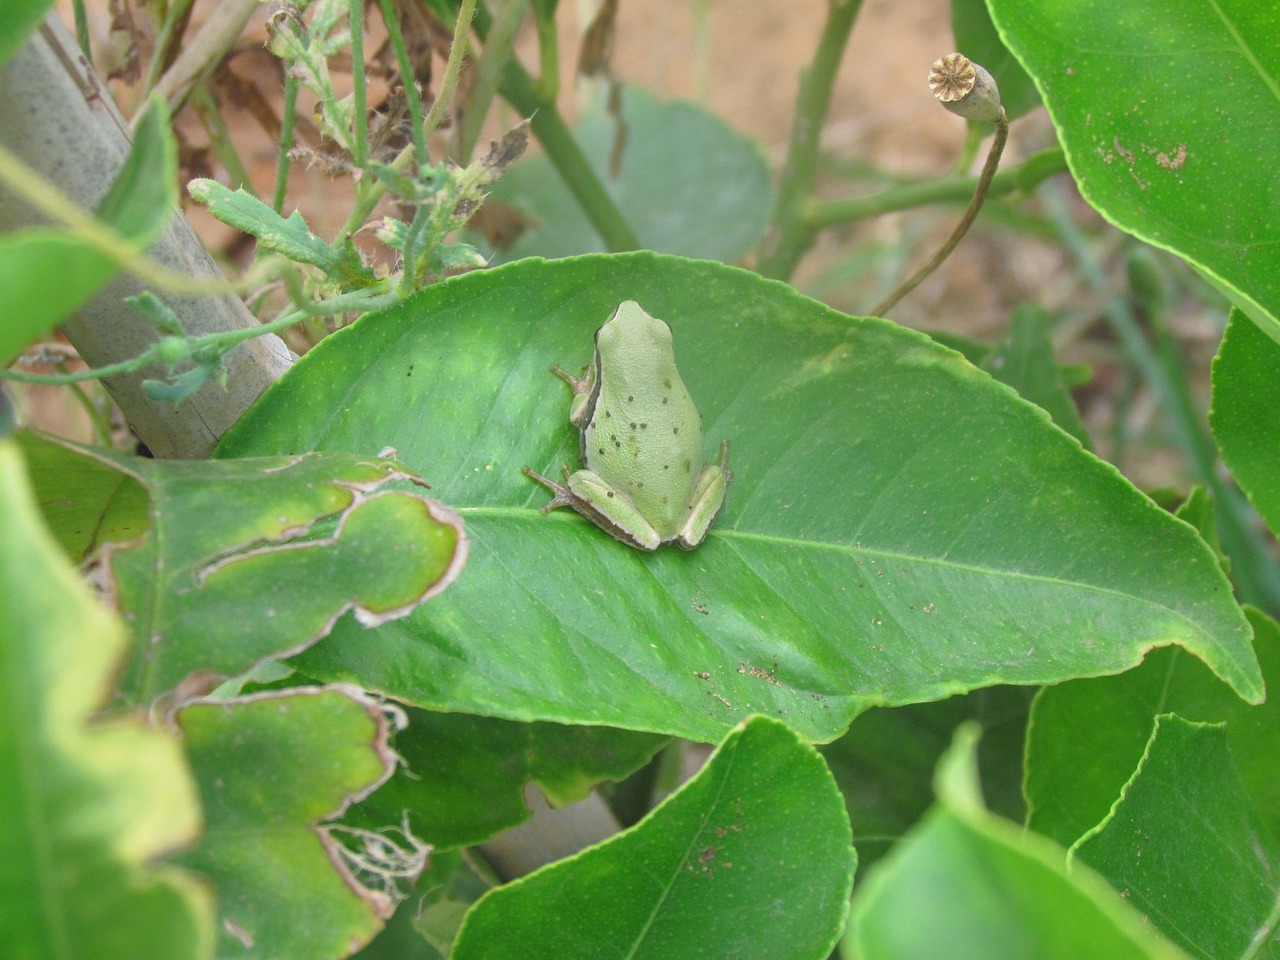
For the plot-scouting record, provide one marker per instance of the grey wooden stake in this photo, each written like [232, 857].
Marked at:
[59, 119]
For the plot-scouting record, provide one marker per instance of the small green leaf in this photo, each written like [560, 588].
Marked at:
[87, 801]
[761, 827]
[271, 768]
[684, 181]
[1167, 113]
[289, 237]
[1246, 413]
[463, 777]
[967, 885]
[1185, 834]
[51, 271]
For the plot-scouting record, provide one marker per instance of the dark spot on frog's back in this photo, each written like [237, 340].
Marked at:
[688, 466]
[666, 382]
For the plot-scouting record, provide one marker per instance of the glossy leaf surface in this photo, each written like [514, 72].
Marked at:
[900, 527]
[751, 857]
[86, 801]
[1168, 114]
[1246, 412]
[970, 886]
[1185, 835]
[1088, 736]
[271, 767]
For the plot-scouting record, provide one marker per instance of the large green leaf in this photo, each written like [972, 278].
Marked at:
[685, 182]
[900, 527]
[967, 885]
[1088, 736]
[1169, 112]
[1246, 412]
[46, 272]
[750, 858]
[1185, 835]
[271, 767]
[85, 801]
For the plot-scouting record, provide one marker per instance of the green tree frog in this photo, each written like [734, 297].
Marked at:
[646, 479]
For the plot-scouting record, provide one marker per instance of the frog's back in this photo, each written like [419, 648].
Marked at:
[648, 444]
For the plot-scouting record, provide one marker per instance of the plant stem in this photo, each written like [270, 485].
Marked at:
[499, 42]
[360, 103]
[548, 86]
[821, 214]
[82, 29]
[412, 96]
[448, 82]
[370, 190]
[567, 157]
[288, 120]
[970, 214]
[1255, 571]
[219, 138]
[530, 100]
[789, 234]
[164, 42]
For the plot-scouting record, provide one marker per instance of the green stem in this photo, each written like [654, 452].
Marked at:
[499, 43]
[219, 137]
[567, 157]
[821, 214]
[288, 121]
[412, 97]
[548, 86]
[360, 104]
[164, 41]
[576, 172]
[82, 29]
[358, 301]
[1256, 572]
[789, 234]
[448, 82]
[371, 189]
[970, 214]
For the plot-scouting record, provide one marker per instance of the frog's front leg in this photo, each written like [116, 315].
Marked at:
[592, 497]
[584, 392]
[706, 500]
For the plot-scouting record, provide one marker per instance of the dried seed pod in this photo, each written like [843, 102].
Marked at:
[965, 88]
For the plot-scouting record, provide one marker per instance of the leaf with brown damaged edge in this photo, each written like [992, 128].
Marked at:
[256, 559]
